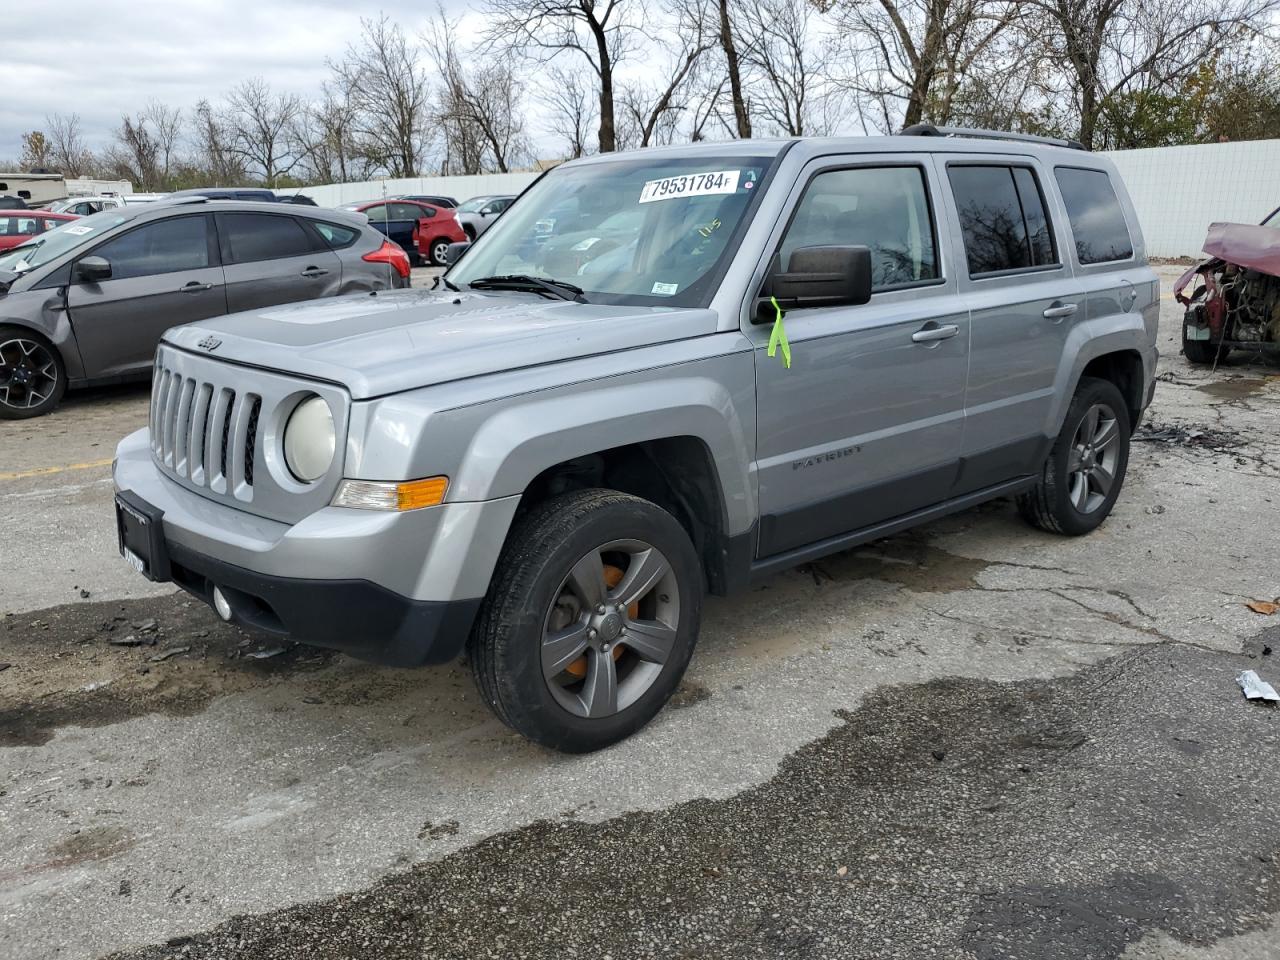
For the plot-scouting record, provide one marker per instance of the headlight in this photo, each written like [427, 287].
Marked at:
[309, 440]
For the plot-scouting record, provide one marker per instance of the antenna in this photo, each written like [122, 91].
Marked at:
[386, 222]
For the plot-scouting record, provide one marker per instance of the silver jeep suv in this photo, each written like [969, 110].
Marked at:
[659, 374]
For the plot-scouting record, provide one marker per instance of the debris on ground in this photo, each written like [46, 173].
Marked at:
[1193, 436]
[5, 666]
[170, 652]
[264, 654]
[131, 640]
[1255, 688]
[1264, 607]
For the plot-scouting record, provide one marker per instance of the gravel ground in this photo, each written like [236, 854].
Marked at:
[972, 740]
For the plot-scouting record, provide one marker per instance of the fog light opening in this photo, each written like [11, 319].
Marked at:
[221, 605]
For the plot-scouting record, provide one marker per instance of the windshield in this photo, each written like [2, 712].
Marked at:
[639, 230]
[473, 205]
[54, 243]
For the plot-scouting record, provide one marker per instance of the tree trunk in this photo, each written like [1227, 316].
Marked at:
[608, 132]
[735, 74]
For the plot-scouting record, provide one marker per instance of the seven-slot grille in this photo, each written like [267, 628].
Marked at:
[204, 432]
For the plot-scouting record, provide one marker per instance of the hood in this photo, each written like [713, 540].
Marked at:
[1246, 245]
[377, 345]
[6, 280]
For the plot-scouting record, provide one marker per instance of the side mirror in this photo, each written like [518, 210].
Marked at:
[453, 253]
[828, 276]
[93, 270]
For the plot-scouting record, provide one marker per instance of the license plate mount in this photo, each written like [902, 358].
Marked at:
[140, 536]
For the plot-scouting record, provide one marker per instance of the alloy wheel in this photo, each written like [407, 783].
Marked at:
[28, 373]
[1091, 462]
[611, 628]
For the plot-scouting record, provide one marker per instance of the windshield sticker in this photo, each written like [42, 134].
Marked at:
[586, 244]
[665, 289]
[79, 231]
[690, 185]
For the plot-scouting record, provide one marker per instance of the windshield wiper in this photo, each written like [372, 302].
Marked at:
[523, 281]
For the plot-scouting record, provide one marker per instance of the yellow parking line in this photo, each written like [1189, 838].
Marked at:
[45, 471]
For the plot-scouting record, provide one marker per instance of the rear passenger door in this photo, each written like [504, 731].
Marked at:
[1117, 283]
[1024, 302]
[866, 424]
[272, 258]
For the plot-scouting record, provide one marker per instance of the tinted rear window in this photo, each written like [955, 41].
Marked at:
[1097, 221]
[1002, 217]
[258, 236]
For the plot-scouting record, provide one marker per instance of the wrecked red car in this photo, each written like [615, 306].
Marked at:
[1235, 303]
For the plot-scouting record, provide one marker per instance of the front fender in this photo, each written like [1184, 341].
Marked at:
[519, 442]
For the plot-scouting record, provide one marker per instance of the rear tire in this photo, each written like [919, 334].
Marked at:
[563, 656]
[439, 249]
[1084, 472]
[33, 377]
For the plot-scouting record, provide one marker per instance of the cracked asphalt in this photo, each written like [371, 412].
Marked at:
[971, 741]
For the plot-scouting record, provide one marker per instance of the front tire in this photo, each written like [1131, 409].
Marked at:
[1084, 472]
[32, 375]
[1201, 352]
[590, 620]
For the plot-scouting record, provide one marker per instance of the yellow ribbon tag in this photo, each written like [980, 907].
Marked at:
[778, 338]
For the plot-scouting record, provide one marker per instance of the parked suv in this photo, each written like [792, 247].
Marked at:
[86, 302]
[803, 345]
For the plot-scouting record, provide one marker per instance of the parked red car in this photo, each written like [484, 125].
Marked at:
[19, 226]
[424, 231]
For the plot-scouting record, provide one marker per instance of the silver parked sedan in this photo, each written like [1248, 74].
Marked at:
[479, 213]
[86, 303]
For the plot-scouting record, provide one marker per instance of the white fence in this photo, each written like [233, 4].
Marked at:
[1177, 191]
[462, 188]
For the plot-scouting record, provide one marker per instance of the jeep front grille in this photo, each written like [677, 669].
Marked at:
[216, 429]
[204, 432]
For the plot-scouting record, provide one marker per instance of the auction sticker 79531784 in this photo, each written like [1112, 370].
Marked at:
[690, 185]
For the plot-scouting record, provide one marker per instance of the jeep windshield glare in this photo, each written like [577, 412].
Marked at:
[635, 231]
[54, 243]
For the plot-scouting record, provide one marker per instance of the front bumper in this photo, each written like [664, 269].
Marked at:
[397, 588]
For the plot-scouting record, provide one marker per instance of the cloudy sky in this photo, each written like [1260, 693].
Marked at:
[99, 59]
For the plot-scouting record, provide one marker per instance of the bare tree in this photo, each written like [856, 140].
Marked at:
[260, 122]
[166, 127]
[733, 70]
[324, 135]
[571, 107]
[67, 150]
[600, 31]
[913, 54]
[653, 111]
[480, 106]
[782, 53]
[389, 90]
[133, 156]
[215, 151]
[1114, 46]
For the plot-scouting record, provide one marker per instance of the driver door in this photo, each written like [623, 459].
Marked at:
[163, 273]
[866, 425]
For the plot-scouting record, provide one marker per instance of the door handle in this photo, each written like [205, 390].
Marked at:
[930, 334]
[1059, 310]
[195, 286]
[314, 272]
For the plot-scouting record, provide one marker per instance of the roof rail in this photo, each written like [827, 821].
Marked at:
[929, 130]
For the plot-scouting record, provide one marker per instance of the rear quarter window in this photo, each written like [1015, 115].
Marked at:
[1097, 222]
[335, 236]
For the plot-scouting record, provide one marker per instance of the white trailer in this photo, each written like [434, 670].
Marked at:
[35, 189]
